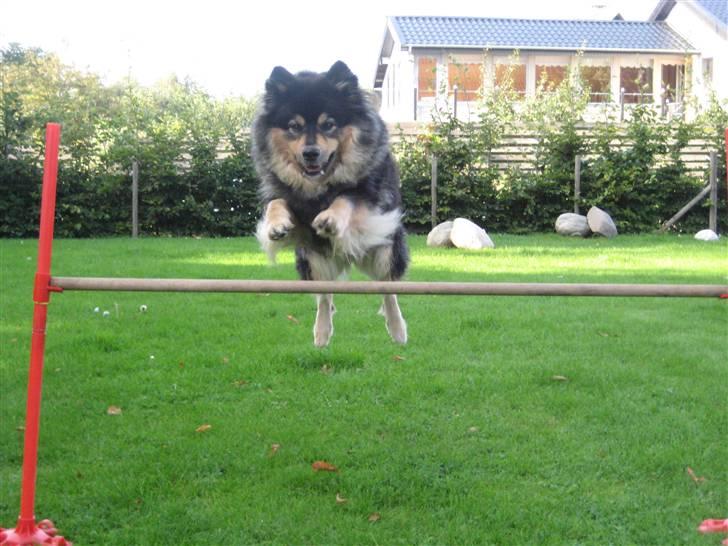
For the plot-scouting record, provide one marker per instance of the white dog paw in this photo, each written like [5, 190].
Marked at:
[327, 225]
[398, 330]
[276, 232]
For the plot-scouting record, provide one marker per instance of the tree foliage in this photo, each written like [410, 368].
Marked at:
[197, 177]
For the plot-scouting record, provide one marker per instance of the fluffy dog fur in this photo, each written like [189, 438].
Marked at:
[329, 185]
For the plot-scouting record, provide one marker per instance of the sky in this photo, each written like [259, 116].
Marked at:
[230, 47]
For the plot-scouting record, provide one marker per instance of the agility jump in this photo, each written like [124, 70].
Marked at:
[29, 532]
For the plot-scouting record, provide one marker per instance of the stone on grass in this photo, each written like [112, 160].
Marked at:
[600, 222]
[573, 225]
[466, 234]
[706, 235]
[440, 235]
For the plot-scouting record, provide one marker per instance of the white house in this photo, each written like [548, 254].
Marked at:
[424, 60]
[704, 23]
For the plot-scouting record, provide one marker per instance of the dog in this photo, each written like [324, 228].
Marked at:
[329, 186]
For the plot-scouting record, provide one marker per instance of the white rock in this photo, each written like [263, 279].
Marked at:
[440, 235]
[466, 234]
[573, 225]
[706, 235]
[600, 222]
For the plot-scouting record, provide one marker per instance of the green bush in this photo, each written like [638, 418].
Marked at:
[197, 177]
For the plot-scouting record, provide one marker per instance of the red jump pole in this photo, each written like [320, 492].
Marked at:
[27, 531]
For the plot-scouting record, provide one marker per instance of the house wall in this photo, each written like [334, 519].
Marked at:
[402, 76]
[708, 37]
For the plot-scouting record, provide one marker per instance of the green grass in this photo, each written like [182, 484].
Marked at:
[463, 436]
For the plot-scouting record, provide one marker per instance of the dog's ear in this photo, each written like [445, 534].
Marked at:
[342, 78]
[279, 81]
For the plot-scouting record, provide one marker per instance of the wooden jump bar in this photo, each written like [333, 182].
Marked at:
[374, 287]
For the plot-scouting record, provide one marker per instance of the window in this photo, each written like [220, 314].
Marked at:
[707, 71]
[673, 76]
[637, 84]
[426, 77]
[468, 77]
[596, 79]
[511, 76]
[549, 77]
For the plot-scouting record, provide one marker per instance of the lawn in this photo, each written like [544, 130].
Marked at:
[511, 420]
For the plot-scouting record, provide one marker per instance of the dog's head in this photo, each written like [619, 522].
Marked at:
[312, 123]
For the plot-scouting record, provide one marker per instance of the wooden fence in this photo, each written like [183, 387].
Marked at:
[517, 149]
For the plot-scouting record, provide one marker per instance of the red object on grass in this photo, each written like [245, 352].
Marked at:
[27, 531]
[714, 526]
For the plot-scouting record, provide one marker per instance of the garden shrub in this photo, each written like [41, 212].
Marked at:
[197, 176]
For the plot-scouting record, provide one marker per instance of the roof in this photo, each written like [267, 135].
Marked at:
[548, 34]
[718, 9]
[713, 9]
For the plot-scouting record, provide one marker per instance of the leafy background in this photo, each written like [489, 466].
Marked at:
[197, 176]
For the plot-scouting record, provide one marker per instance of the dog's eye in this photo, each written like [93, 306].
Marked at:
[294, 126]
[328, 125]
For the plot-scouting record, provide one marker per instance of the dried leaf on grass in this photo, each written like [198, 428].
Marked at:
[697, 479]
[323, 466]
[398, 358]
[293, 319]
[274, 449]
[340, 499]
[113, 410]
[559, 378]
[203, 428]
[376, 516]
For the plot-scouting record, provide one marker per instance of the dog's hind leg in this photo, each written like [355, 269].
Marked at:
[385, 264]
[313, 266]
[323, 328]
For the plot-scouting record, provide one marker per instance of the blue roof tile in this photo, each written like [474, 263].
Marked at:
[492, 33]
[716, 8]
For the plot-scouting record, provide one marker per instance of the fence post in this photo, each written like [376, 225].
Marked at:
[433, 191]
[415, 104]
[134, 198]
[713, 214]
[455, 101]
[577, 183]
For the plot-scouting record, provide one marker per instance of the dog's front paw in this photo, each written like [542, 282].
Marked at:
[327, 225]
[276, 232]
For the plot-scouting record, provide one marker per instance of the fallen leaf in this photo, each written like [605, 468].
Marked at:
[240, 383]
[695, 478]
[376, 516]
[274, 449]
[293, 319]
[113, 410]
[203, 428]
[326, 369]
[225, 360]
[340, 499]
[323, 465]
[398, 358]
[559, 378]
[473, 429]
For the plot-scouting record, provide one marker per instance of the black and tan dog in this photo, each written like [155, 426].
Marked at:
[329, 185]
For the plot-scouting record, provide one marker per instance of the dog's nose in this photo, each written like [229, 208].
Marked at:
[311, 153]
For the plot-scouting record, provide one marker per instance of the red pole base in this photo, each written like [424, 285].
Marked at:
[28, 533]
